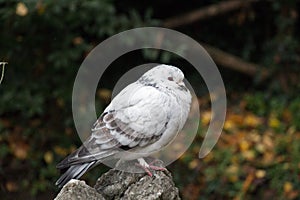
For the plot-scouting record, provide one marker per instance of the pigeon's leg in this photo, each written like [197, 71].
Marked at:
[147, 167]
[143, 164]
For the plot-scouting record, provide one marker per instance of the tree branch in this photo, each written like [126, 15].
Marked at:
[235, 63]
[206, 12]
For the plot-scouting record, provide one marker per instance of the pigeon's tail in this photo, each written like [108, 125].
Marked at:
[74, 172]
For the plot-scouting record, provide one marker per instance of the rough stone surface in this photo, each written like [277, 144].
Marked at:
[76, 190]
[123, 185]
[118, 185]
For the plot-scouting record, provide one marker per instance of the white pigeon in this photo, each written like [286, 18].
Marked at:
[141, 120]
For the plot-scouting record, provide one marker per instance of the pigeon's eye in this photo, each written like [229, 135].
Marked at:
[170, 78]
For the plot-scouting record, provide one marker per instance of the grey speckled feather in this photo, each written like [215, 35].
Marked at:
[143, 118]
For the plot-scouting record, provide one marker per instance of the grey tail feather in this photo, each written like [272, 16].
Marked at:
[74, 172]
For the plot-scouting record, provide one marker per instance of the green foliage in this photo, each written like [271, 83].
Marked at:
[294, 107]
[60, 35]
[256, 103]
[44, 43]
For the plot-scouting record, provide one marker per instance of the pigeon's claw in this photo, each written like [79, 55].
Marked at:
[157, 168]
[145, 168]
[143, 164]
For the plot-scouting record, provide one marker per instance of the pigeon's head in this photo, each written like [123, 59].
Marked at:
[166, 75]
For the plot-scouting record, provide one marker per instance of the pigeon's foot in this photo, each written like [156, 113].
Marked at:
[143, 164]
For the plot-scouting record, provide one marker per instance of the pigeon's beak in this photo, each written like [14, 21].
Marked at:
[182, 86]
[180, 82]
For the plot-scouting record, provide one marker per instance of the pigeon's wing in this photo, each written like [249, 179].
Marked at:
[100, 145]
[138, 116]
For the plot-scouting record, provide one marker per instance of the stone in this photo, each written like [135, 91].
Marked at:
[78, 190]
[120, 185]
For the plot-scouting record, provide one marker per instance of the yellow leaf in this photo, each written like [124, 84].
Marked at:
[232, 169]
[232, 173]
[21, 9]
[48, 157]
[268, 142]
[260, 148]
[209, 157]
[260, 173]
[60, 151]
[252, 120]
[19, 149]
[287, 187]
[232, 121]
[11, 186]
[244, 145]
[268, 158]
[254, 136]
[193, 164]
[273, 122]
[248, 155]
[229, 125]
[236, 118]
[205, 118]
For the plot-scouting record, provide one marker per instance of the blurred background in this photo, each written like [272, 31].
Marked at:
[255, 45]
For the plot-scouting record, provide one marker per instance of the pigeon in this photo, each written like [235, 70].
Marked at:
[141, 120]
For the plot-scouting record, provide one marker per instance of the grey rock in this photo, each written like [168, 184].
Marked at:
[76, 190]
[119, 185]
[123, 185]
